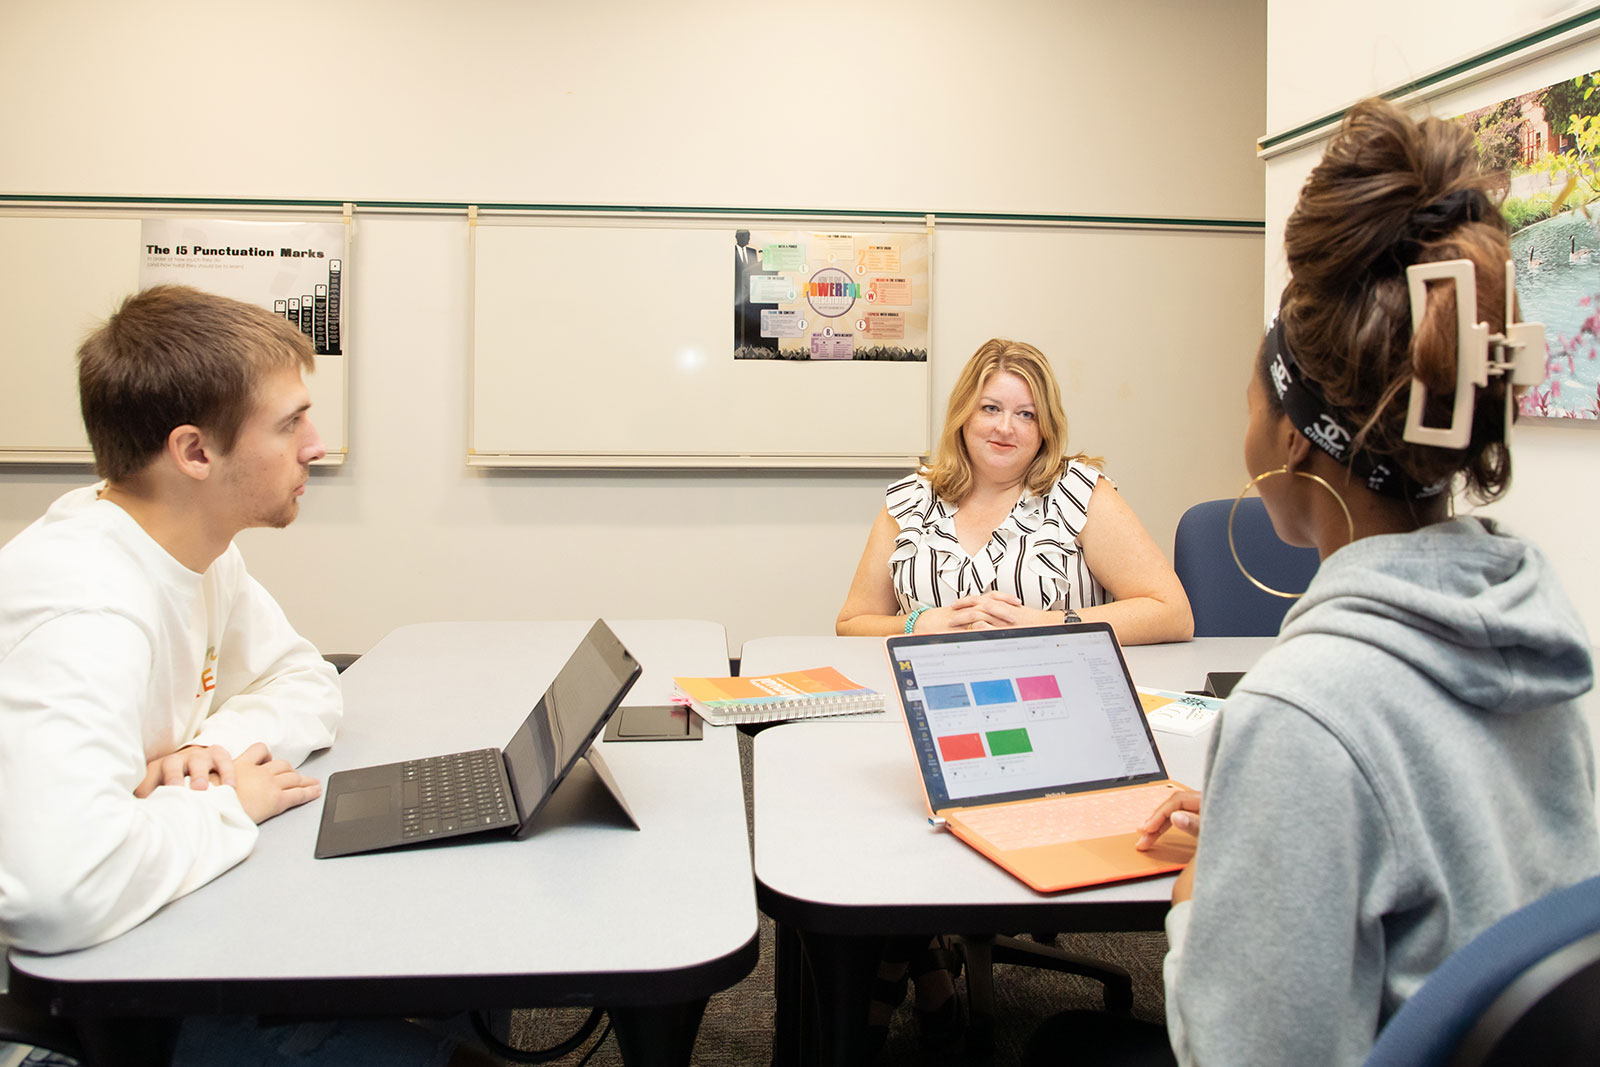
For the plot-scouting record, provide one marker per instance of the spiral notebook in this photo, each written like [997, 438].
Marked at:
[778, 697]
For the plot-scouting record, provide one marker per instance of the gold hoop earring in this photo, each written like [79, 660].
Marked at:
[1265, 588]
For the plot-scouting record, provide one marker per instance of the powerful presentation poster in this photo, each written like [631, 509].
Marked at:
[811, 295]
[294, 269]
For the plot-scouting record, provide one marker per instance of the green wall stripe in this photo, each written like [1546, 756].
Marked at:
[1242, 225]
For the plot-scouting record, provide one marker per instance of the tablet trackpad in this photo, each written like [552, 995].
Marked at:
[362, 804]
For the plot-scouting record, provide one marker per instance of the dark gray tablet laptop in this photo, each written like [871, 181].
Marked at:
[488, 790]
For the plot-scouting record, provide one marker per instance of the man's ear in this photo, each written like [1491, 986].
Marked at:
[190, 451]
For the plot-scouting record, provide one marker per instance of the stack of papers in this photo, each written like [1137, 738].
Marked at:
[1178, 713]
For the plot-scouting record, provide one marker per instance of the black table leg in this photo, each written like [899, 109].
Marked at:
[842, 968]
[659, 1035]
[789, 1033]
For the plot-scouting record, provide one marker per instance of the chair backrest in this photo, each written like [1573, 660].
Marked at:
[341, 660]
[23, 1026]
[1525, 991]
[1224, 602]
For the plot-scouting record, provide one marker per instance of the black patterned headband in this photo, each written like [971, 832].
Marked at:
[1313, 416]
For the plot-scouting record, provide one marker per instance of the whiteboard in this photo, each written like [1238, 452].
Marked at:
[611, 345]
[61, 276]
[59, 279]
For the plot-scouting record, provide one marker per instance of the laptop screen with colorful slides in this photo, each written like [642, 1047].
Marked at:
[1002, 715]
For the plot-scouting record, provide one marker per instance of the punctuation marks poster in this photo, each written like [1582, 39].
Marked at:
[293, 269]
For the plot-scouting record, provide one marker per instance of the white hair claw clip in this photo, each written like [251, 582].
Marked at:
[1519, 351]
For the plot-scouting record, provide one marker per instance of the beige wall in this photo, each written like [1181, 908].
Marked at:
[1026, 107]
[1321, 60]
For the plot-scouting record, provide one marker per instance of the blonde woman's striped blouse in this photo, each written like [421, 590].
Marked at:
[1033, 555]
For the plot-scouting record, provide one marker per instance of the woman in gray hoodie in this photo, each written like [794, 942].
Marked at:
[1408, 763]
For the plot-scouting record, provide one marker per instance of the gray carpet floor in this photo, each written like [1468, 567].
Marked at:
[738, 1024]
[737, 1028]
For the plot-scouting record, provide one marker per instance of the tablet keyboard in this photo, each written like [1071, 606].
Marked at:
[454, 794]
[1060, 820]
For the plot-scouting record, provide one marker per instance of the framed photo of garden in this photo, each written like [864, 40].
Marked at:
[1547, 141]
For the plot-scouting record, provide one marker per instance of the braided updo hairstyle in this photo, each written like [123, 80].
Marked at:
[1389, 192]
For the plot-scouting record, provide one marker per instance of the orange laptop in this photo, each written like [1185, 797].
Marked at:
[1035, 751]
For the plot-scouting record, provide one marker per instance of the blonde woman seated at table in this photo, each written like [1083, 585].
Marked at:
[1004, 528]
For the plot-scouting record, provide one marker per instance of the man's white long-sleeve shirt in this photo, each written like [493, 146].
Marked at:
[112, 653]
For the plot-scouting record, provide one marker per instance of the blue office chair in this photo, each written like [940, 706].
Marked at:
[1525, 991]
[1224, 602]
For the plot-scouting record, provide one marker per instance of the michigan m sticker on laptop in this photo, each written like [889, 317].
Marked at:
[1034, 749]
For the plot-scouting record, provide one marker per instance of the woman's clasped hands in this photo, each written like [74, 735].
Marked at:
[983, 611]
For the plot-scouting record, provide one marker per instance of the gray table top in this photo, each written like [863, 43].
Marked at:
[581, 896]
[843, 843]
